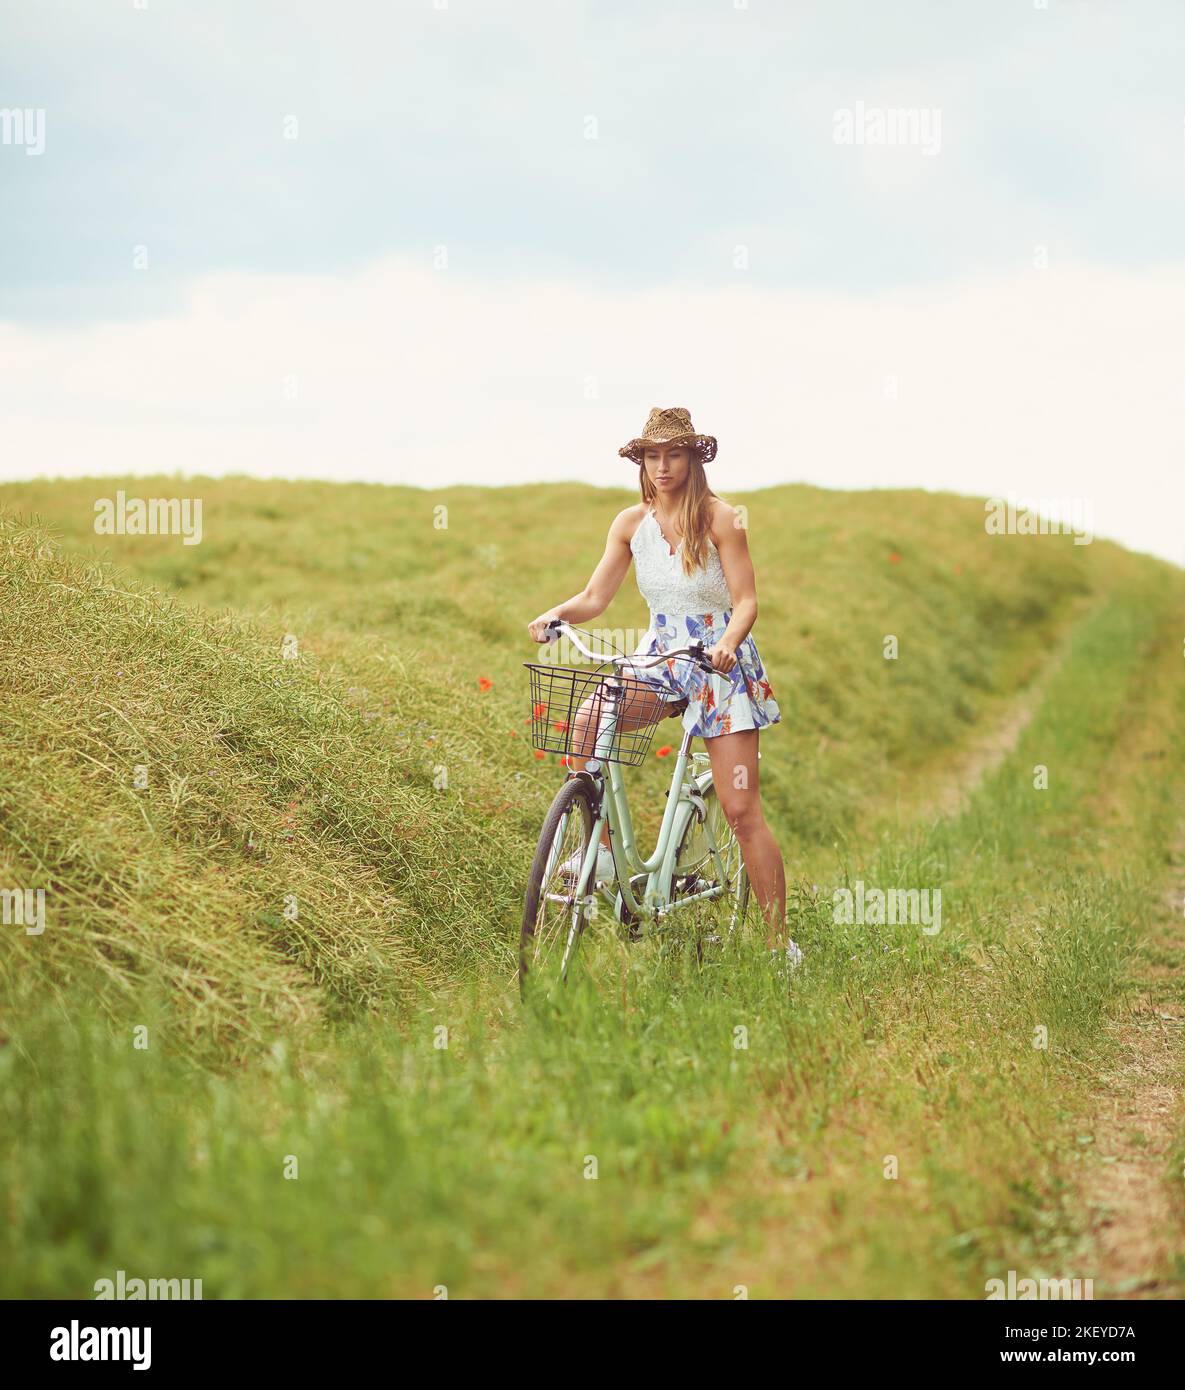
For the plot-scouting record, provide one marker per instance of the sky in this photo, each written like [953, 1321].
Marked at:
[442, 242]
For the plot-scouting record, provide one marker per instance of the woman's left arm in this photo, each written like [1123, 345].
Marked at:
[732, 543]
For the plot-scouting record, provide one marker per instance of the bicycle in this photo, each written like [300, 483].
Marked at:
[696, 858]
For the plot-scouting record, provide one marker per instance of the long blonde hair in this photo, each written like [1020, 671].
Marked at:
[695, 512]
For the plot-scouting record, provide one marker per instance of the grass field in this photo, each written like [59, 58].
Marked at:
[279, 791]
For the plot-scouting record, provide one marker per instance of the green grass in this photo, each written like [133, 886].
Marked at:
[319, 780]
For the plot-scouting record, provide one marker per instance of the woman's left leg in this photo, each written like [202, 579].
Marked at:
[734, 775]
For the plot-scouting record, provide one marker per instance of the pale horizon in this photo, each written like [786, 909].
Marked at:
[326, 269]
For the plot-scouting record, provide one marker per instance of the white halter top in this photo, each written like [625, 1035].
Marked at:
[661, 579]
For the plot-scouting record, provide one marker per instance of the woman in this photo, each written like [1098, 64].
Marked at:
[694, 571]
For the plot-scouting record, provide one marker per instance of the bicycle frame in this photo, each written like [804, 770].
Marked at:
[684, 800]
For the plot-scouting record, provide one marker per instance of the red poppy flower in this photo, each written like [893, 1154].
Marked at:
[539, 753]
[484, 683]
[540, 710]
[663, 752]
[894, 559]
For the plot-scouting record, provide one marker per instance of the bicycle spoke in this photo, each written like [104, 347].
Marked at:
[710, 865]
[572, 932]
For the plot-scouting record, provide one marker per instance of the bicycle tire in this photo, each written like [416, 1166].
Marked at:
[533, 951]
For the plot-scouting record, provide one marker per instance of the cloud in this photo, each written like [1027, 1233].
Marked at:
[466, 125]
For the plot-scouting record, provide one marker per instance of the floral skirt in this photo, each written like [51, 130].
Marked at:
[719, 703]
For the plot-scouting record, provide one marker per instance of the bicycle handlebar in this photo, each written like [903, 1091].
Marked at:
[693, 652]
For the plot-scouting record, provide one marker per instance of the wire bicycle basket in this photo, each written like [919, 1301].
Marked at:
[577, 713]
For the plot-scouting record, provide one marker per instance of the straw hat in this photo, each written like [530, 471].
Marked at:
[671, 426]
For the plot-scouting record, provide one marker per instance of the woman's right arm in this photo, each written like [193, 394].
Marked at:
[603, 583]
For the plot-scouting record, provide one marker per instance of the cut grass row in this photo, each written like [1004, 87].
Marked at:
[716, 1165]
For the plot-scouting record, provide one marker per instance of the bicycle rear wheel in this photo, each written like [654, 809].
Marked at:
[553, 919]
[696, 870]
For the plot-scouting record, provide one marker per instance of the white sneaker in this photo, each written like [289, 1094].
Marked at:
[790, 958]
[605, 872]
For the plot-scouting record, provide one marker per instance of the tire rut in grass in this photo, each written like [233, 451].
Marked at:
[1131, 1182]
[969, 767]
[1130, 1186]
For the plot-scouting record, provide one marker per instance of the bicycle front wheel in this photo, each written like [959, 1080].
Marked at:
[553, 917]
